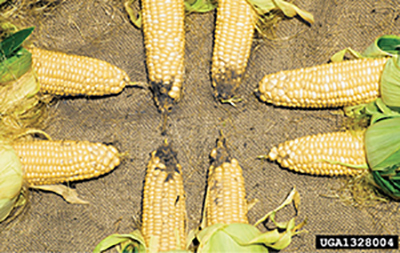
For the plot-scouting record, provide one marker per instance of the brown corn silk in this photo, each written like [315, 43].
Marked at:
[164, 208]
[52, 162]
[323, 154]
[233, 39]
[164, 37]
[72, 75]
[335, 84]
[226, 195]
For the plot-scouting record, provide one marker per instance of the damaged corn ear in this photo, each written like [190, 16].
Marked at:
[226, 195]
[163, 211]
[53, 162]
[164, 208]
[73, 75]
[233, 38]
[328, 154]
[164, 37]
[225, 225]
[336, 84]
[235, 25]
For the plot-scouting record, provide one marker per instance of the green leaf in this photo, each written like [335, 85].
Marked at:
[200, 6]
[382, 142]
[13, 42]
[16, 66]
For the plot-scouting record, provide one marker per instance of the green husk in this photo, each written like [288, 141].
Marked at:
[20, 107]
[238, 237]
[15, 60]
[133, 242]
[200, 6]
[10, 180]
[390, 84]
[382, 142]
[264, 7]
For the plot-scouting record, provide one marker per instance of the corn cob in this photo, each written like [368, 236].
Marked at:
[323, 154]
[225, 198]
[336, 84]
[233, 38]
[53, 162]
[164, 209]
[72, 75]
[164, 36]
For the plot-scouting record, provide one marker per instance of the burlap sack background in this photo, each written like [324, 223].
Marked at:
[131, 122]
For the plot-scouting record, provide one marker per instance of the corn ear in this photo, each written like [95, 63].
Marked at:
[335, 84]
[54, 162]
[329, 154]
[226, 197]
[164, 208]
[73, 75]
[235, 25]
[163, 211]
[233, 38]
[164, 37]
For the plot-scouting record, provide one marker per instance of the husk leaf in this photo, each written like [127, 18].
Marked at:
[390, 84]
[382, 142]
[11, 180]
[14, 67]
[14, 60]
[290, 10]
[70, 195]
[239, 237]
[218, 238]
[135, 17]
[386, 45]
[133, 242]
[19, 95]
[200, 6]
[390, 185]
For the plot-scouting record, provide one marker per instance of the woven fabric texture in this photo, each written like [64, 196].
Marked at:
[130, 121]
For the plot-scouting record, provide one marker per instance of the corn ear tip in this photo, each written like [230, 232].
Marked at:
[273, 154]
